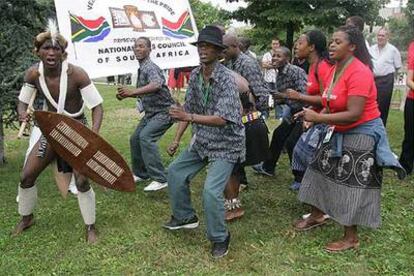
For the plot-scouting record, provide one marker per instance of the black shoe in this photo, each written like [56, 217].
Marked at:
[175, 224]
[220, 249]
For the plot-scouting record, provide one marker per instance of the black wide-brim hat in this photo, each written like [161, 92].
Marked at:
[211, 34]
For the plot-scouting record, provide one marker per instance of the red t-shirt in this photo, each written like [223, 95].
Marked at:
[323, 70]
[410, 66]
[356, 80]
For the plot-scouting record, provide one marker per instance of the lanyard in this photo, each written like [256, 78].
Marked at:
[317, 77]
[336, 77]
[205, 88]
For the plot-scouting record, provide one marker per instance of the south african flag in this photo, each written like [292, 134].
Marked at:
[88, 30]
[180, 29]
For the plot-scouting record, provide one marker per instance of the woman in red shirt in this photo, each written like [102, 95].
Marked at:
[311, 46]
[344, 178]
[407, 152]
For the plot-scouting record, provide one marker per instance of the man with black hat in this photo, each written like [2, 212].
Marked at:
[213, 108]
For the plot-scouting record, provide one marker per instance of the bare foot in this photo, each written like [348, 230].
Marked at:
[23, 224]
[91, 234]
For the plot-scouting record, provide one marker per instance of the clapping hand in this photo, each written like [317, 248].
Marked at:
[172, 148]
[177, 112]
[123, 93]
[308, 115]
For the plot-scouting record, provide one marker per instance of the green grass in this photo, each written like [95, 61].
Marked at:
[131, 240]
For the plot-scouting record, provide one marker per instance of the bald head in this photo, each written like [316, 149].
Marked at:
[232, 50]
[286, 52]
[230, 40]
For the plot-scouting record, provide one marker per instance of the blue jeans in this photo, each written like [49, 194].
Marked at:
[180, 173]
[146, 159]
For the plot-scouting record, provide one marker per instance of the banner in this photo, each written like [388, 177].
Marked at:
[101, 33]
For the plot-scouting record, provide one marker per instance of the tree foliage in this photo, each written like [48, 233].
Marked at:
[402, 28]
[21, 20]
[275, 16]
[206, 14]
[409, 13]
[400, 32]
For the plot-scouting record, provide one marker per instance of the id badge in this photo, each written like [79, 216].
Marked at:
[328, 135]
[140, 106]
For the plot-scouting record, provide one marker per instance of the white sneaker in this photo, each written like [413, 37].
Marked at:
[138, 179]
[155, 186]
[72, 187]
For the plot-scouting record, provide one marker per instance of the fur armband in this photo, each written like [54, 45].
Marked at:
[26, 93]
[91, 96]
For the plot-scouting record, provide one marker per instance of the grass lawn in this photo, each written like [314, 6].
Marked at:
[132, 241]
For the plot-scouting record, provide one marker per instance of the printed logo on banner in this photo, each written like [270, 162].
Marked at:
[131, 17]
[180, 29]
[85, 30]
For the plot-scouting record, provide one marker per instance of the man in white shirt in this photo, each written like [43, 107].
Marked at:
[386, 60]
[269, 72]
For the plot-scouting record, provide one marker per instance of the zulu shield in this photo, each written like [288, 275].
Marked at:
[85, 151]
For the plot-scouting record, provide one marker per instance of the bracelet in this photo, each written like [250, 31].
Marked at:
[191, 118]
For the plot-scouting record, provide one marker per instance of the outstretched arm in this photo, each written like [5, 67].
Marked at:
[180, 114]
[124, 92]
[355, 107]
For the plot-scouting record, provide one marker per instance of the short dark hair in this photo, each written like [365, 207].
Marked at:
[357, 21]
[146, 39]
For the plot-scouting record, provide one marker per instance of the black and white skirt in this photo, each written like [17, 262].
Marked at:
[348, 188]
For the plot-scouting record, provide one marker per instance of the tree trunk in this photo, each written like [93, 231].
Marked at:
[2, 157]
[290, 31]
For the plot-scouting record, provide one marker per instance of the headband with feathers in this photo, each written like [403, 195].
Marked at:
[52, 33]
[52, 28]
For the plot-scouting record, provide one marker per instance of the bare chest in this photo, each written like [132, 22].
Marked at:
[52, 87]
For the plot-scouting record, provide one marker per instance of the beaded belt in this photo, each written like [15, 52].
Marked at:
[251, 117]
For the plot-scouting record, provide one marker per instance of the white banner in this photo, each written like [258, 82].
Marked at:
[101, 33]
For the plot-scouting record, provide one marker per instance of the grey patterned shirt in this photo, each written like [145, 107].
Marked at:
[250, 70]
[216, 143]
[293, 77]
[155, 104]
